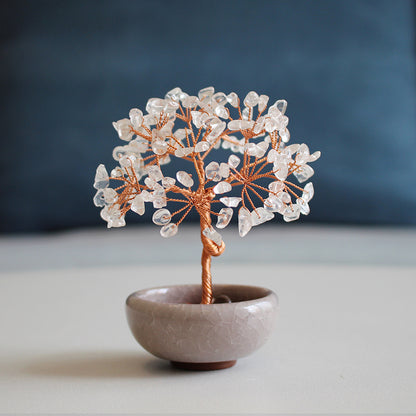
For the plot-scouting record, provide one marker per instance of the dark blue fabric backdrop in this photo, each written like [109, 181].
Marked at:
[70, 68]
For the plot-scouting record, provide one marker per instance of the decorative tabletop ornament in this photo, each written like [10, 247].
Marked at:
[202, 327]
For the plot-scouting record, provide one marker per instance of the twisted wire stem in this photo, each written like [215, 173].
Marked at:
[209, 248]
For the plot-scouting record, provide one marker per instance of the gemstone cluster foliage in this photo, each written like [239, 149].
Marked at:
[254, 181]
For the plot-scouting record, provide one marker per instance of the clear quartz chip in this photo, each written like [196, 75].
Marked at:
[224, 170]
[233, 99]
[212, 170]
[155, 173]
[233, 161]
[213, 235]
[263, 100]
[161, 216]
[123, 128]
[261, 215]
[284, 197]
[274, 204]
[99, 198]
[224, 217]
[281, 171]
[117, 172]
[101, 179]
[252, 99]
[169, 230]
[222, 112]
[190, 102]
[281, 105]
[202, 146]
[206, 93]
[314, 156]
[244, 221]
[303, 173]
[147, 196]
[230, 201]
[184, 178]
[168, 182]
[308, 192]
[137, 205]
[219, 98]
[159, 147]
[276, 186]
[110, 195]
[291, 213]
[285, 135]
[222, 187]
[304, 206]
[136, 117]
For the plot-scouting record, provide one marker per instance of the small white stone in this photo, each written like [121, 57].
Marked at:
[222, 187]
[230, 201]
[284, 197]
[219, 98]
[274, 204]
[315, 156]
[222, 112]
[252, 99]
[136, 118]
[101, 179]
[150, 183]
[137, 205]
[234, 161]
[263, 100]
[304, 206]
[244, 221]
[159, 147]
[202, 146]
[169, 230]
[261, 215]
[224, 170]
[281, 171]
[184, 178]
[285, 135]
[276, 186]
[117, 172]
[168, 182]
[173, 94]
[155, 173]
[308, 192]
[110, 196]
[224, 217]
[234, 125]
[233, 99]
[99, 198]
[190, 102]
[291, 213]
[303, 173]
[161, 216]
[123, 128]
[246, 114]
[147, 196]
[281, 105]
[206, 93]
[211, 170]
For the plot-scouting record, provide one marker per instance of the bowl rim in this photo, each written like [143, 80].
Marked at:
[268, 296]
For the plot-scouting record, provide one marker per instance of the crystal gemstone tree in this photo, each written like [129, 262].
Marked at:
[252, 180]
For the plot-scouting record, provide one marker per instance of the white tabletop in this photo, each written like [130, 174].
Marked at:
[345, 340]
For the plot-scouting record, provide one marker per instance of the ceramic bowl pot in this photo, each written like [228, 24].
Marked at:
[170, 323]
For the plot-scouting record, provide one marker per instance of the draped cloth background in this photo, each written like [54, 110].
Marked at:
[347, 69]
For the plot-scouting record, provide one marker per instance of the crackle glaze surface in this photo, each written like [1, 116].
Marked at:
[170, 323]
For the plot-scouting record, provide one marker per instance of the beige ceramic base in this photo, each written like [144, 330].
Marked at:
[170, 323]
